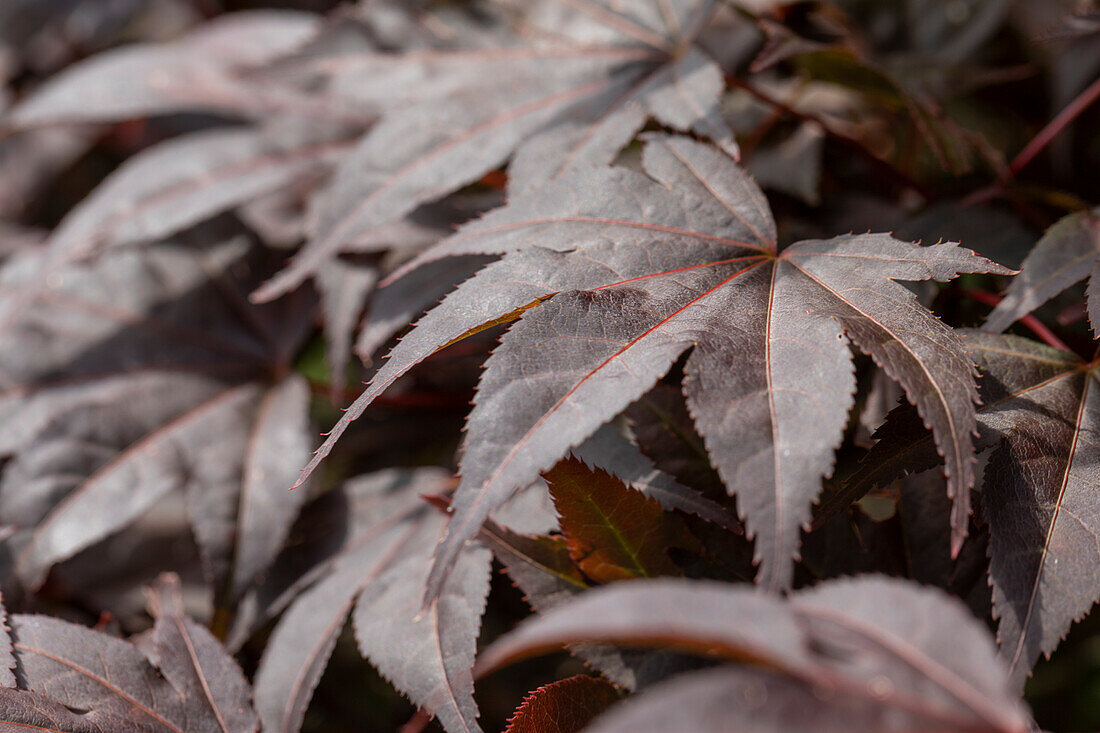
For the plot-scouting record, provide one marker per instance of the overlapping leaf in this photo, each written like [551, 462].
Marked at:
[867, 651]
[615, 274]
[613, 532]
[176, 679]
[145, 373]
[585, 79]
[203, 70]
[1068, 253]
[1040, 495]
[566, 706]
[189, 179]
[376, 577]
[1039, 492]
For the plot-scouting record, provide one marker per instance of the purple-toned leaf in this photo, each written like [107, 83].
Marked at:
[189, 686]
[278, 439]
[195, 663]
[1040, 495]
[1038, 492]
[632, 309]
[335, 523]
[189, 179]
[1066, 254]
[870, 641]
[623, 314]
[752, 701]
[195, 72]
[427, 656]
[23, 710]
[375, 573]
[689, 615]
[589, 90]
[141, 374]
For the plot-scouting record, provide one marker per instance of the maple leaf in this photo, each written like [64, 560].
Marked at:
[143, 373]
[1068, 252]
[1038, 492]
[191, 178]
[177, 678]
[613, 532]
[1040, 496]
[560, 104]
[869, 645]
[7, 657]
[376, 577]
[565, 706]
[614, 274]
[179, 183]
[543, 567]
[204, 70]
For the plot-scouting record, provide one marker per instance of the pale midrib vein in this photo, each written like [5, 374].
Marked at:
[939, 392]
[199, 672]
[943, 677]
[91, 675]
[777, 486]
[523, 440]
[1024, 626]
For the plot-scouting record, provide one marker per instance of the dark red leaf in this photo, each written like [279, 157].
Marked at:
[613, 532]
[566, 706]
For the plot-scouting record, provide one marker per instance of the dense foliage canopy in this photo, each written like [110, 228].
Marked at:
[778, 321]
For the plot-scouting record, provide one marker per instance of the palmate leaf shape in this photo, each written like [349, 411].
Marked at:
[1067, 253]
[568, 102]
[376, 577]
[176, 678]
[1040, 494]
[864, 654]
[617, 273]
[144, 373]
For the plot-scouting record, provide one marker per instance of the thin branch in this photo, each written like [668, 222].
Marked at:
[1034, 324]
[1038, 143]
[417, 722]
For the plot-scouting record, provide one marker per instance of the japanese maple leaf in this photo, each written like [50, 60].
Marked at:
[615, 273]
[144, 373]
[862, 654]
[1041, 409]
[204, 70]
[174, 678]
[375, 576]
[1068, 253]
[568, 89]
[1040, 495]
